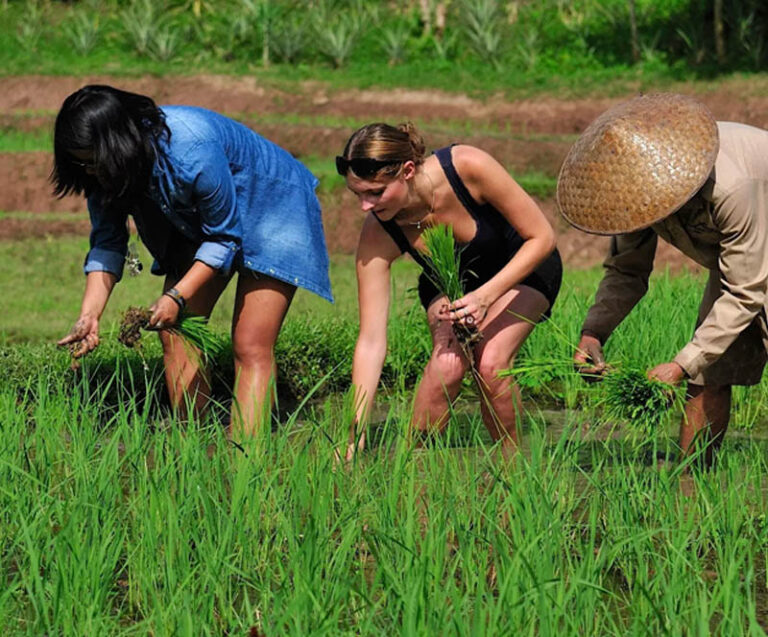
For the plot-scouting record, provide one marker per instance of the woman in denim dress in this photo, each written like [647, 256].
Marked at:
[209, 197]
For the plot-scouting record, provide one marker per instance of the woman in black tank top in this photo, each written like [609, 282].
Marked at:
[511, 270]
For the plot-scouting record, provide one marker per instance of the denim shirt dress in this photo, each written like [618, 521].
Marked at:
[244, 201]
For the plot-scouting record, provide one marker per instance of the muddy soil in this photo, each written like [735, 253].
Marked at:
[536, 136]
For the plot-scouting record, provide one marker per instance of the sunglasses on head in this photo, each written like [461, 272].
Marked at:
[362, 166]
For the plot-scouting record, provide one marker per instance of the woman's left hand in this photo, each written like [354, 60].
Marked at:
[670, 373]
[165, 313]
[470, 309]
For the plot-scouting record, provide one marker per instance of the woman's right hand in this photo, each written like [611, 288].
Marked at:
[83, 337]
[588, 359]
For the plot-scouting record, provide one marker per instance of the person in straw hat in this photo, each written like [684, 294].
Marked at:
[660, 166]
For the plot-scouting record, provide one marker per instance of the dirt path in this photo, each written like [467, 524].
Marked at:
[526, 135]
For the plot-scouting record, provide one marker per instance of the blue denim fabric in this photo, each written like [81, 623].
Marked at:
[246, 202]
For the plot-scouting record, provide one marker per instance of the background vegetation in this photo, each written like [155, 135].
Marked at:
[486, 45]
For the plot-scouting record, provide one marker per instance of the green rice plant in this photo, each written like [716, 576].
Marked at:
[444, 260]
[631, 397]
[112, 525]
[443, 268]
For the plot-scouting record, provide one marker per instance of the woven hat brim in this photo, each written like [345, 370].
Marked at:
[637, 163]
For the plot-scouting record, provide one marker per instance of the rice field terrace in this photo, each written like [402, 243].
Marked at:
[118, 519]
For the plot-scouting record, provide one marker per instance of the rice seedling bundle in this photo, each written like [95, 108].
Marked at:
[193, 329]
[629, 395]
[444, 260]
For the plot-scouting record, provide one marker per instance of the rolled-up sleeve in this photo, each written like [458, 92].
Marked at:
[625, 282]
[216, 200]
[108, 240]
[742, 218]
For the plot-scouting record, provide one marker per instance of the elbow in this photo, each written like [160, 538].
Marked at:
[372, 350]
[552, 243]
[549, 241]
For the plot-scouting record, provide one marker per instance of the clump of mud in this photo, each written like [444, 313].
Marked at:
[467, 334]
[76, 351]
[134, 320]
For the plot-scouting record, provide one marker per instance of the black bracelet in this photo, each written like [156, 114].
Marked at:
[174, 294]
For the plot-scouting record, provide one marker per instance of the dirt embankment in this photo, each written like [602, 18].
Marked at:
[526, 135]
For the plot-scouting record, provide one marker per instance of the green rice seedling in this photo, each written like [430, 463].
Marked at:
[632, 397]
[444, 261]
[190, 327]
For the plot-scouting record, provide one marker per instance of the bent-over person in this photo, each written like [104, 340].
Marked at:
[660, 166]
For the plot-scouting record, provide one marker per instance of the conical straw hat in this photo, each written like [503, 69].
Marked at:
[637, 163]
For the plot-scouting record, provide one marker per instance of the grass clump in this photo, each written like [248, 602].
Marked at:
[632, 397]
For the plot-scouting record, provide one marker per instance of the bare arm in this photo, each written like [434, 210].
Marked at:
[85, 333]
[490, 183]
[375, 254]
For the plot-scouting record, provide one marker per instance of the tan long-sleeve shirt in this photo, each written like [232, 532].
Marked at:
[723, 228]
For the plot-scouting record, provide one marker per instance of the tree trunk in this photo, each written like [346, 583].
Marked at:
[440, 12]
[719, 33]
[633, 32]
[425, 7]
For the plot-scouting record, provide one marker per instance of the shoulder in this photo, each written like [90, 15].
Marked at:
[470, 160]
[191, 126]
[481, 173]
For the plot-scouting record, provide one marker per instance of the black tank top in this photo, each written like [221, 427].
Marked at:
[494, 244]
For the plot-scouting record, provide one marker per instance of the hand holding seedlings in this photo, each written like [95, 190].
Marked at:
[669, 373]
[83, 337]
[468, 310]
[165, 314]
[588, 359]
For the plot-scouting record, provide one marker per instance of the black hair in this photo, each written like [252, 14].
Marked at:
[122, 131]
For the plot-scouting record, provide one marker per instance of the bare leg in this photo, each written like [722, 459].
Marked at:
[189, 385]
[260, 308]
[509, 322]
[707, 414]
[441, 381]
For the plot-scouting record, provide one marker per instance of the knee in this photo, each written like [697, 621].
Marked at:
[253, 353]
[490, 363]
[446, 370]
